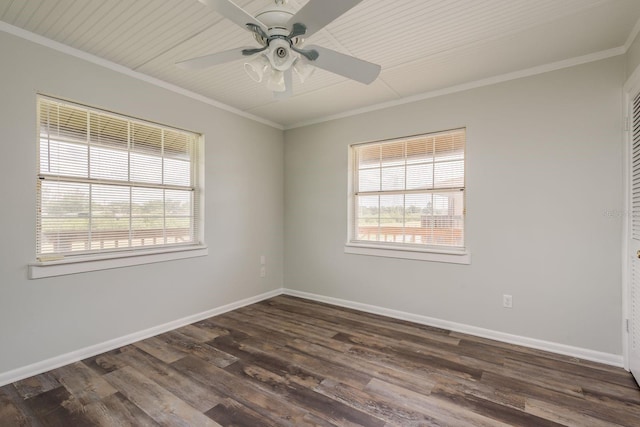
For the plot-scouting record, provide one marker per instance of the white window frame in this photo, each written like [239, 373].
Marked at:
[57, 265]
[399, 250]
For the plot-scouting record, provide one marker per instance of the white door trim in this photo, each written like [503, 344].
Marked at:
[630, 91]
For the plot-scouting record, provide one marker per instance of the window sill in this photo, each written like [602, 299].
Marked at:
[79, 264]
[451, 257]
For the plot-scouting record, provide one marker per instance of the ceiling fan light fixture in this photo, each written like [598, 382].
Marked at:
[275, 82]
[303, 69]
[257, 67]
[280, 32]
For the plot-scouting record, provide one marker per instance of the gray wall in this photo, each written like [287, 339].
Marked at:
[544, 193]
[40, 319]
[544, 211]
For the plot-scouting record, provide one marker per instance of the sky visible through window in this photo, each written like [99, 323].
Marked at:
[406, 185]
[106, 183]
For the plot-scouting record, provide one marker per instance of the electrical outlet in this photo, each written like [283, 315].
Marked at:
[507, 301]
[263, 271]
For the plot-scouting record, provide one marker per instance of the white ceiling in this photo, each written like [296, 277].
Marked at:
[422, 45]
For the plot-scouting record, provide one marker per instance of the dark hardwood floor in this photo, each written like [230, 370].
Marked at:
[293, 362]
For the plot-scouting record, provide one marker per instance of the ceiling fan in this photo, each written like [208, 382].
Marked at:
[280, 31]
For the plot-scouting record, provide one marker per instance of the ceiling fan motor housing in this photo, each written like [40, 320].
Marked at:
[275, 17]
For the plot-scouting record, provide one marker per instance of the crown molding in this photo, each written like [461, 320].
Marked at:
[43, 41]
[554, 66]
[541, 69]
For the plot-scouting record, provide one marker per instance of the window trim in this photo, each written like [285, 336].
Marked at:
[389, 250]
[451, 257]
[58, 265]
[110, 260]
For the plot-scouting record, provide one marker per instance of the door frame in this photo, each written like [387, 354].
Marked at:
[630, 90]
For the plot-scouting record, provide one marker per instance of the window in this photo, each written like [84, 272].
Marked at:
[110, 184]
[409, 194]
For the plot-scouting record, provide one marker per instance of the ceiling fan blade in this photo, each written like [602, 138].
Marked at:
[233, 12]
[316, 14]
[288, 81]
[213, 59]
[345, 65]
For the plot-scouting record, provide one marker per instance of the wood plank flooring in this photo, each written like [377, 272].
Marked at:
[292, 362]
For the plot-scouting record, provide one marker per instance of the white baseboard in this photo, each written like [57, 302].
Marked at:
[567, 350]
[74, 356]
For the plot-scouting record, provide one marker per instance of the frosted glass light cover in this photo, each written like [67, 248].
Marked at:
[303, 69]
[276, 81]
[257, 67]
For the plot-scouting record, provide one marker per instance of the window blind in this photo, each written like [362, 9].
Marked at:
[108, 182]
[410, 191]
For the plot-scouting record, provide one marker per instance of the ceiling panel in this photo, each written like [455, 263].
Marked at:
[409, 30]
[229, 82]
[334, 99]
[422, 45]
[21, 13]
[598, 29]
